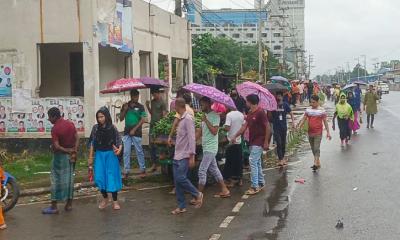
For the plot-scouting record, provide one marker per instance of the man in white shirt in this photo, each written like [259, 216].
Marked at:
[233, 170]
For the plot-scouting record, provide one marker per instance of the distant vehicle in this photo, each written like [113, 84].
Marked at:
[382, 86]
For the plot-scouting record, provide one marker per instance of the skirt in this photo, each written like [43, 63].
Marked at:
[62, 178]
[354, 125]
[107, 173]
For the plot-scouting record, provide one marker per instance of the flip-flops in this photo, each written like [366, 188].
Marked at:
[2, 227]
[252, 191]
[223, 195]
[178, 211]
[200, 201]
[49, 211]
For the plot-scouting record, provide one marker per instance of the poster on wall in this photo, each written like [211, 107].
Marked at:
[21, 100]
[5, 114]
[117, 33]
[6, 80]
[37, 119]
[75, 113]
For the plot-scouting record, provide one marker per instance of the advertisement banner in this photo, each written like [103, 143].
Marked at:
[6, 80]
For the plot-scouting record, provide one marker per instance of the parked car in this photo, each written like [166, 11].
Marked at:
[382, 86]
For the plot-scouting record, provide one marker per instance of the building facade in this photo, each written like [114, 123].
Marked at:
[63, 52]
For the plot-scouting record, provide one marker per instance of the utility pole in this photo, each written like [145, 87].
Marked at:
[260, 48]
[365, 67]
[310, 60]
[358, 68]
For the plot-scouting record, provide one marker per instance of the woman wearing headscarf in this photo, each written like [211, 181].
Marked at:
[353, 102]
[105, 145]
[344, 114]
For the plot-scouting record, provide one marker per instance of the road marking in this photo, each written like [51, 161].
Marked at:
[153, 188]
[215, 237]
[245, 196]
[226, 221]
[238, 206]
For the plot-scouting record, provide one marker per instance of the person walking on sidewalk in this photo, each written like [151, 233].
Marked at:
[279, 123]
[184, 157]
[316, 118]
[355, 105]
[209, 135]
[134, 115]
[233, 170]
[105, 144]
[371, 106]
[259, 134]
[157, 109]
[65, 142]
[344, 114]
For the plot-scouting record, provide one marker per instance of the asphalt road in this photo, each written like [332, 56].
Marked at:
[357, 184]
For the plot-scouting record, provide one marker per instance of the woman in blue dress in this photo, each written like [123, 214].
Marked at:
[105, 146]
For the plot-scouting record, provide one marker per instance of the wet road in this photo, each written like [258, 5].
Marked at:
[357, 184]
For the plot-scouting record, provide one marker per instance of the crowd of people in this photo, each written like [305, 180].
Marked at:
[248, 125]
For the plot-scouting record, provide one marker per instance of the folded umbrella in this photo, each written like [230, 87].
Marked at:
[267, 100]
[122, 85]
[214, 94]
[153, 82]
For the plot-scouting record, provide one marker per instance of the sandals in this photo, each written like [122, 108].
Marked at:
[315, 167]
[252, 191]
[116, 206]
[2, 227]
[103, 204]
[223, 195]
[178, 211]
[50, 211]
[199, 201]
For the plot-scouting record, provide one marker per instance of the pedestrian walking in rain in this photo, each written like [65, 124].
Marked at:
[345, 115]
[105, 147]
[65, 142]
[233, 169]
[279, 124]
[371, 106]
[353, 101]
[184, 157]
[134, 115]
[209, 136]
[316, 119]
[259, 134]
[157, 109]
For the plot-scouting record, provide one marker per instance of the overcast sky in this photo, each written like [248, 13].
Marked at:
[338, 31]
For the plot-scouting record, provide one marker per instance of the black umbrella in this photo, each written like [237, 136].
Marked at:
[276, 87]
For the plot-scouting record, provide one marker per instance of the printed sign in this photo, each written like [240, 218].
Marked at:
[6, 80]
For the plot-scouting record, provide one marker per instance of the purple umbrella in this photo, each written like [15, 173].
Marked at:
[267, 100]
[212, 93]
[153, 82]
[279, 78]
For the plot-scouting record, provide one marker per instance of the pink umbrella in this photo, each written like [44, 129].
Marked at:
[267, 100]
[214, 94]
[153, 82]
[122, 85]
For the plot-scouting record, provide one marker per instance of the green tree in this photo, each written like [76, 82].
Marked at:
[358, 71]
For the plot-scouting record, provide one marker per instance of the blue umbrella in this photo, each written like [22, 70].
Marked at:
[279, 78]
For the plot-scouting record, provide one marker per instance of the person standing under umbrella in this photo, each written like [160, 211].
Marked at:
[233, 170]
[239, 101]
[257, 123]
[209, 135]
[371, 106]
[279, 124]
[354, 125]
[105, 147]
[157, 109]
[134, 115]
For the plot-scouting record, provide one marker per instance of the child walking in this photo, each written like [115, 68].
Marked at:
[105, 143]
[316, 118]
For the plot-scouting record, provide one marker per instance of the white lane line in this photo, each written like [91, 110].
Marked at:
[226, 221]
[153, 188]
[245, 196]
[215, 237]
[238, 206]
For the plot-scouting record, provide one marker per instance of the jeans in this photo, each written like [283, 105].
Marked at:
[280, 139]
[257, 176]
[209, 163]
[182, 183]
[370, 119]
[137, 143]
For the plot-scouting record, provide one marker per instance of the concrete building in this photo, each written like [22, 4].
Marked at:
[63, 52]
[282, 29]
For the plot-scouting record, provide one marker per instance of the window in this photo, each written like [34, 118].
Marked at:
[222, 35]
[272, 29]
[235, 35]
[245, 29]
[250, 35]
[239, 29]
[266, 41]
[253, 29]
[203, 30]
[226, 29]
[272, 41]
[266, 29]
[280, 41]
[197, 30]
[264, 35]
[277, 47]
[277, 34]
[211, 29]
[277, 55]
[253, 42]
